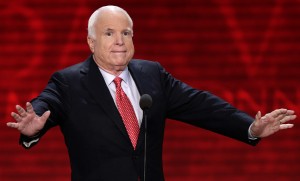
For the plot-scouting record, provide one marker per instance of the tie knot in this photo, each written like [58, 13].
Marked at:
[118, 81]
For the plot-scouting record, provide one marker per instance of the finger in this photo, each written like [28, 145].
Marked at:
[16, 117]
[29, 107]
[13, 125]
[286, 126]
[290, 112]
[287, 118]
[258, 115]
[21, 111]
[45, 116]
[278, 112]
[280, 117]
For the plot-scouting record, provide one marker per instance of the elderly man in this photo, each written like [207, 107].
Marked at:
[96, 105]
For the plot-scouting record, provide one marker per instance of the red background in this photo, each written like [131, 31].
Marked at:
[247, 52]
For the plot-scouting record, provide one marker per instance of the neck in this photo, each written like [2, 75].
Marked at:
[114, 70]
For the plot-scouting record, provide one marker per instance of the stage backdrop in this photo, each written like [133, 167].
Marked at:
[247, 52]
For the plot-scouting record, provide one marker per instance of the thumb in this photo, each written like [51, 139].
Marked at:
[45, 116]
[258, 116]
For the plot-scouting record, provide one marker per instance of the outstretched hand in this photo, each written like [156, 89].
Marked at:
[27, 121]
[272, 122]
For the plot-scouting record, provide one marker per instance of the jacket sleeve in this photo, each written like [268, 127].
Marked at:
[203, 109]
[53, 98]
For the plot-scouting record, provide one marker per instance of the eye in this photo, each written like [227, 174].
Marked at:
[127, 33]
[108, 33]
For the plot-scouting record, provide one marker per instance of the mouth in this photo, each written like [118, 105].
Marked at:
[124, 51]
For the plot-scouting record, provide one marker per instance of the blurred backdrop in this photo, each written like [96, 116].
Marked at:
[247, 52]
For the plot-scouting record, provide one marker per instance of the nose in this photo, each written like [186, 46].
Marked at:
[119, 40]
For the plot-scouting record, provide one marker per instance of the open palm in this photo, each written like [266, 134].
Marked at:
[27, 121]
[272, 122]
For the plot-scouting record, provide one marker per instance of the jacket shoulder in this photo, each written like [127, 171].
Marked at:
[76, 68]
[146, 65]
[143, 62]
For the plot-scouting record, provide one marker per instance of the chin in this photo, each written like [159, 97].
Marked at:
[121, 62]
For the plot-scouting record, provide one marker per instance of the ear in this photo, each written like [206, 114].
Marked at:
[91, 43]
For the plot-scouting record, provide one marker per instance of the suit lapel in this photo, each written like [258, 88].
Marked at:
[94, 82]
[136, 71]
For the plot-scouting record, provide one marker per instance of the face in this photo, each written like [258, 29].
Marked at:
[112, 46]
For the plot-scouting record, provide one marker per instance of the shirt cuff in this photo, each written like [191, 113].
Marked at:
[28, 144]
[250, 136]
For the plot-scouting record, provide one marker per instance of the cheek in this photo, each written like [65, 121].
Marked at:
[130, 46]
[104, 44]
[102, 49]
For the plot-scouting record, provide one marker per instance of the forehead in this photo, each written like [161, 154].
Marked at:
[113, 20]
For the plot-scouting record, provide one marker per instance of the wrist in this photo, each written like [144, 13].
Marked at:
[251, 135]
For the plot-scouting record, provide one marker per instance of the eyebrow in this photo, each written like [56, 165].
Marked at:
[127, 29]
[109, 29]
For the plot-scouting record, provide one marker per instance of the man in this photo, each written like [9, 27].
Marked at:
[96, 105]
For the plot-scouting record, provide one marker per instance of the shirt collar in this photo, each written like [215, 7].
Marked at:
[108, 78]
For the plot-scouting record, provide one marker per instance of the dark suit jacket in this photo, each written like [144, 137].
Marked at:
[96, 138]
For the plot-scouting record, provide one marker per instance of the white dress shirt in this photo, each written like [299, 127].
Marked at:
[129, 87]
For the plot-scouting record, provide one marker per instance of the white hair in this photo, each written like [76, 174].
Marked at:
[97, 14]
